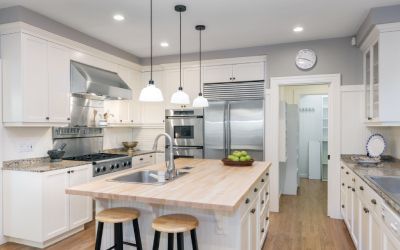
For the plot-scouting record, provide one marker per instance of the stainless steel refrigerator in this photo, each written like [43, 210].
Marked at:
[234, 119]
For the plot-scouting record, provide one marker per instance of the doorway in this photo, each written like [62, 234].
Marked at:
[333, 82]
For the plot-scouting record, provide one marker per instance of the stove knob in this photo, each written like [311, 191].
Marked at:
[125, 164]
[104, 168]
[112, 167]
[129, 163]
[117, 166]
[98, 170]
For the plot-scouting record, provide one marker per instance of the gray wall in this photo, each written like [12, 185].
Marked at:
[380, 15]
[22, 14]
[334, 56]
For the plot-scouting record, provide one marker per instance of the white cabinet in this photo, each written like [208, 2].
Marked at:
[36, 81]
[381, 75]
[143, 160]
[44, 211]
[239, 72]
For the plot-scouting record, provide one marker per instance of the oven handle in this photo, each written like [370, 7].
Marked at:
[180, 117]
[185, 147]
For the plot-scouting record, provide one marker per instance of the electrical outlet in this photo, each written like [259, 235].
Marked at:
[25, 148]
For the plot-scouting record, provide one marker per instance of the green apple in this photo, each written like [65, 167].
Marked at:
[231, 157]
[243, 153]
[237, 154]
[243, 158]
[235, 158]
[248, 158]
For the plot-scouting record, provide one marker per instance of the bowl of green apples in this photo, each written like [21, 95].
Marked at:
[238, 159]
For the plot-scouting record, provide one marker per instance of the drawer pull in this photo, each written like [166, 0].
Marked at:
[267, 174]
[68, 172]
[151, 156]
[141, 159]
[267, 218]
[253, 211]
[373, 201]
[366, 210]
[342, 167]
[247, 201]
[342, 206]
[262, 180]
[348, 187]
[72, 171]
[262, 202]
[347, 172]
[255, 190]
[353, 189]
[262, 230]
[343, 184]
[361, 188]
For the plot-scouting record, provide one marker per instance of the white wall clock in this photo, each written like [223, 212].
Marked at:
[306, 59]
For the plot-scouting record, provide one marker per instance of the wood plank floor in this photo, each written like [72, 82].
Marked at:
[301, 224]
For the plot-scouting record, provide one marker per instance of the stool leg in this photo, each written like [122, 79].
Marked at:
[118, 236]
[180, 241]
[170, 241]
[99, 235]
[137, 234]
[194, 239]
[156, 242]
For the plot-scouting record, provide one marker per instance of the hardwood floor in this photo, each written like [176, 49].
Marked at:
[301, 224]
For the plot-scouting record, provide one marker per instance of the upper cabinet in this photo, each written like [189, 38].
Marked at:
[381, 52]
[239, 72]
[36, 81]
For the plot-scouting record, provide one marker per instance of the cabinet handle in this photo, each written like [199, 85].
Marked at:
[267, 174]
[234, 78]
[342, 167]
[262, 180]
[342, 206]
[267, 218]
[353, 189]
[347, 172]
[141, 159]
[255, 190]
[348, 187]
[68, 172]
[366, 210]
[343, 184]
[361, 188]
[262, 202]
[68, 119]
[369, 118]
[253, 211]
[47, 118]
[151, 156]
[266, 193]
[247, 201]
[262, 230]
[373, 201]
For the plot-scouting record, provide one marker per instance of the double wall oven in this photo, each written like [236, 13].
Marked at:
[187, 132]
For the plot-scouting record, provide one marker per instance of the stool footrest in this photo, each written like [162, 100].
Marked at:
[126, 243]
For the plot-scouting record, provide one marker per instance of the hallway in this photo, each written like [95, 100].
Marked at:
[303, 224]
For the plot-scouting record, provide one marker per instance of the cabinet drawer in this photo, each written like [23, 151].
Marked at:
[142, 160]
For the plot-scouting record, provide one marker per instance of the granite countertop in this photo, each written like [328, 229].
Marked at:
[386, 168]
[40, 165]
[123, 151]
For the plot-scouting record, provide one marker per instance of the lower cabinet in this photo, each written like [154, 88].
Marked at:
[43, 211]
[143, 160]
[372, 225]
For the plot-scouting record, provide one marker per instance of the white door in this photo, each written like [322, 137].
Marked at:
[35, 79]
[80, 207]
[59, 83]
[154, 113]
[55, 203]
[219, 73]
[249, 71]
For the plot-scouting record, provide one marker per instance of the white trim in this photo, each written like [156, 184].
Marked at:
[334, 81]
[352, 88]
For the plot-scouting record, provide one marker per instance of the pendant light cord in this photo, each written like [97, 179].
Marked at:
[180, 50]
[200, 94]
[151, 42]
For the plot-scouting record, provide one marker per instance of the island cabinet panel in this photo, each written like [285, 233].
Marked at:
[238, 72]
[44, 213]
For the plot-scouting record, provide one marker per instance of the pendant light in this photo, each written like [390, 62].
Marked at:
[180, 97]
[200, 101]
[151, 93]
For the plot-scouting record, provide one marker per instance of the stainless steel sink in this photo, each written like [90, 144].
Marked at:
[390, 185]
[146, 177]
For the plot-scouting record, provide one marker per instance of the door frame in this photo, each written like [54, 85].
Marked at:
[334, 83]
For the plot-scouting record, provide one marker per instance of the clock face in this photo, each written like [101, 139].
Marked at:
[306, 59]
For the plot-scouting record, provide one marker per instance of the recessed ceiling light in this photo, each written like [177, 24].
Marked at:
[298, 29]
[118, 17]
[164, 44]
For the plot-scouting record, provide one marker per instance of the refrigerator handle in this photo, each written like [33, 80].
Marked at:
[228, 128]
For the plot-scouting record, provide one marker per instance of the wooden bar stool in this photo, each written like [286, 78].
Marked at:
[117, 216]
[175, 223]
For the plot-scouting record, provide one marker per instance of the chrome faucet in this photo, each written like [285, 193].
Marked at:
[171, 172]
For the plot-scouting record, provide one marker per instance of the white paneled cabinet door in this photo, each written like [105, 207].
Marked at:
[35, 79]
[153, 113]
[80, 207]
[218, 73]
[375, 232]
[59, 83]
[248, 71]
[55, 203]
[364, 242]
[245, 232]
[254, 219]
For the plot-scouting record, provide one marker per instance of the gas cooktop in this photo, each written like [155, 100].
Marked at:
[94, 157]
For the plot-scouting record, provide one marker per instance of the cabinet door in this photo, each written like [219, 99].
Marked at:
[254, 228]
[245, 232]
[154, 113]
[356, 217]
[364, 242]
[80, 207]
[375, 232]
[219, 73]
[35, 79]
[55, 203]
[389, 242]
[59, 83]
[249, 71]
[375, 81]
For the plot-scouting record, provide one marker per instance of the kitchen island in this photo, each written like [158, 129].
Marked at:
[231, 203]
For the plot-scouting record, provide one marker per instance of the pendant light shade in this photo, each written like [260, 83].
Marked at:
[200, 101]
[151, 93]
[180, 97]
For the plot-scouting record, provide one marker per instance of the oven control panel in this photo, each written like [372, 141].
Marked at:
[111, 166]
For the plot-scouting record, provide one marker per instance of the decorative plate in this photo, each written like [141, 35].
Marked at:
[376, 145]
[228, 162]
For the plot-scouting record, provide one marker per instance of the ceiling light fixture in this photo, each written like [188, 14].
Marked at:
[200, 101]
[298, 29]
[164, 44]
[151, 93]
[118, 17]
[180, 97]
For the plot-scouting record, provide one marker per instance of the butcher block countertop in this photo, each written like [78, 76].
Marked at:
[208, 185]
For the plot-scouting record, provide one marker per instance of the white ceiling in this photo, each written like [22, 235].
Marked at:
[230, 23]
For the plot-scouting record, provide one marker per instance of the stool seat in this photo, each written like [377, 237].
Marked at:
[117, 215]
[175, 223]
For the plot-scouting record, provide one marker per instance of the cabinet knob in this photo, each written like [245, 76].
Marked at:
[262, 202]
[247, 201]
[68, 119]
[230, 78]
[72, 171]
[348, 187]
[361, 188]
[262, 230]
[255, 190]
[253, 211]
[366, 210]
[47, 118]
[68, 172]
[342, 206]
[233, 78]
[267, 174]
[141, 159]
[347, 172]
[342, 167]
[369, 118]
[353, 189]
[262, 180]
[120, 120]
[354, 179]
[373, 201]
[343, 184]
[266, 193]
[267, 218]
[151, 156]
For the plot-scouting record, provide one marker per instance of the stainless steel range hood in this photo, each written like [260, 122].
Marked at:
[95, 83]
